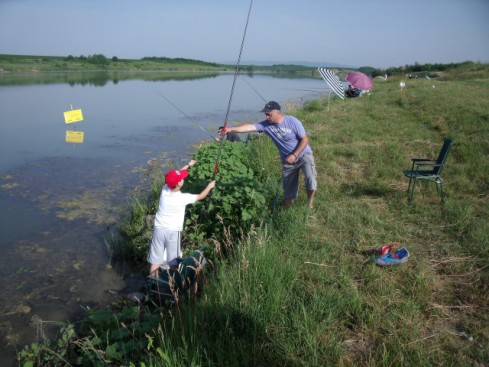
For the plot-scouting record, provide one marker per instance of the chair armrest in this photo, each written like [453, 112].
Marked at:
[415, 160]
[428, 164]
[419, 166]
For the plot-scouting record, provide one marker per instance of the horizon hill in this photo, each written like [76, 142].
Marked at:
[99, 62]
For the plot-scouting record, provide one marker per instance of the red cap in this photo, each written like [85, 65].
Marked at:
[173, 177]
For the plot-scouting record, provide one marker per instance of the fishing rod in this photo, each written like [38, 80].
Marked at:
[187, 116]
[276, 193]
[216, 166]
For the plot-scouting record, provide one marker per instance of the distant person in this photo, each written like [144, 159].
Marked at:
[292, 142]
[165, 244]
[231, 137]
[352, 92]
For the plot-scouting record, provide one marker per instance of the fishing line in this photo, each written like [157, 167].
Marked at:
[187, 116]
[247, 82]
[309, 90]
[236, 72]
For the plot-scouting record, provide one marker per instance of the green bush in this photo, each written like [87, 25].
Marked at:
[98, 59]
[238, 199]
[235, 205]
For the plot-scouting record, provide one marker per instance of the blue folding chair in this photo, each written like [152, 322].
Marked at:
[428, 170]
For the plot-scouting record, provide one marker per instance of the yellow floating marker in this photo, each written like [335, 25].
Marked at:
[73, 116]
[74, 136]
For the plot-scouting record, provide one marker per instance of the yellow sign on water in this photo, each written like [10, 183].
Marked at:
[74, 136]
[73, 116]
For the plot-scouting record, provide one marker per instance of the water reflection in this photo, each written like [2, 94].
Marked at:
[98, 78]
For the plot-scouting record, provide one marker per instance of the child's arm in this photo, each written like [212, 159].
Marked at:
[206, 191]
[187, 166]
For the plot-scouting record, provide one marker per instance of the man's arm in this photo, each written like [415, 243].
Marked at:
[246, 128]
[300, 147]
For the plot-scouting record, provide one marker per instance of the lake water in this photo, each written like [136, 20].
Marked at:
[61, 202]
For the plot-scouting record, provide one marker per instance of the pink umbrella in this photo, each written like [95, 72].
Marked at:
[359, 80]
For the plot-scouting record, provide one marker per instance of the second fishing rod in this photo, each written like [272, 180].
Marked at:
[216, 166]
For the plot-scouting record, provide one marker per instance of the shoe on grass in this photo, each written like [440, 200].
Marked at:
[393, 258]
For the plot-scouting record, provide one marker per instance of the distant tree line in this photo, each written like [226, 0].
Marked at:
[179, 60]
[416, 68]
[97, 59]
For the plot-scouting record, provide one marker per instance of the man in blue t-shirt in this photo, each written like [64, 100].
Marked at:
[292, 142]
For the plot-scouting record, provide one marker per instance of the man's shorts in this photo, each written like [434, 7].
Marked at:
[165, 247]
[290, 176]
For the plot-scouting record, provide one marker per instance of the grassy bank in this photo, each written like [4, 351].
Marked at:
[299, 291]
[36, 64]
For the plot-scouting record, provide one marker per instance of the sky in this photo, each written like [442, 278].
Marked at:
[376, 33]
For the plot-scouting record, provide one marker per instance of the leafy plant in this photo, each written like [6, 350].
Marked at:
[237, 201]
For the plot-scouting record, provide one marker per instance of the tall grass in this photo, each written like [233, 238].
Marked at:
[302, 293]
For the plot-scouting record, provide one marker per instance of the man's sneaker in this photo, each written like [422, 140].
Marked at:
[393, 258]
